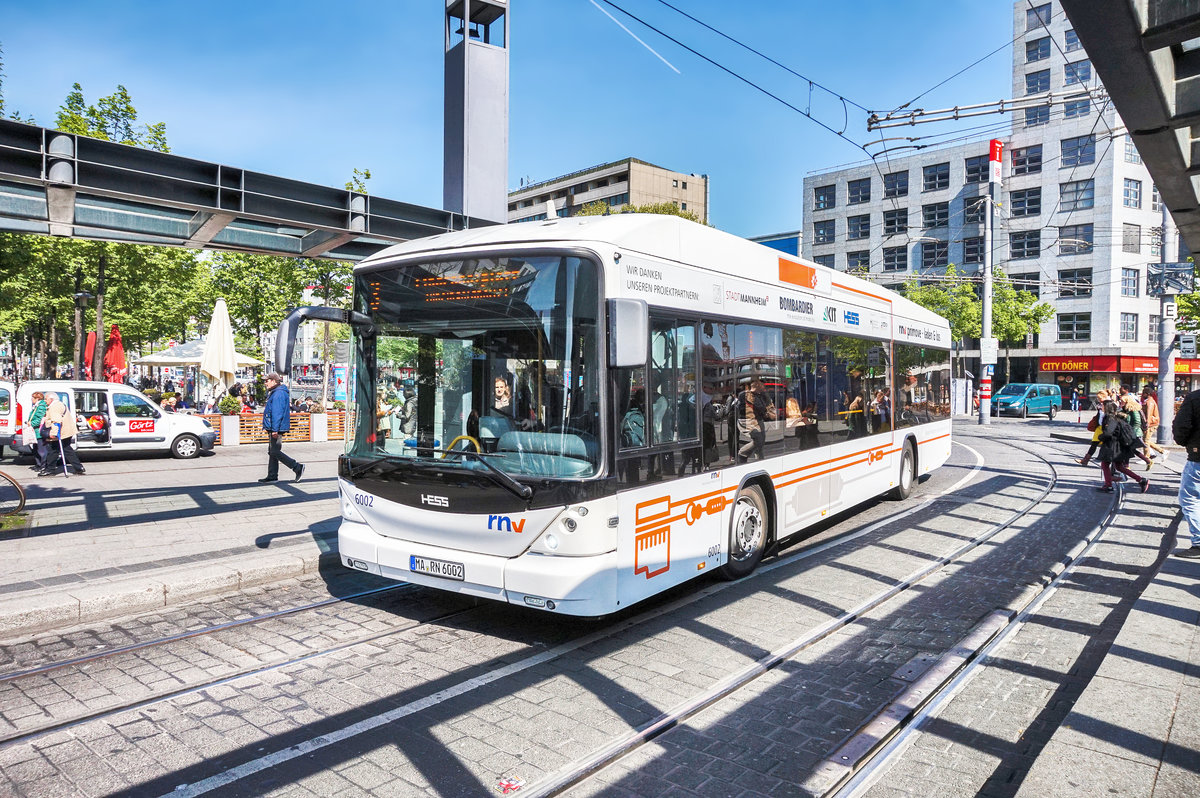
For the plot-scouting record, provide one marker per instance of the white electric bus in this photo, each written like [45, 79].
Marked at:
[605, 407]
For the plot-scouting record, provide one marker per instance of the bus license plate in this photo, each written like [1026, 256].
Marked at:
[440, 568]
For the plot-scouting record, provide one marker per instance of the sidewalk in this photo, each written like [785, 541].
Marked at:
[1135, 731]
[134, 534]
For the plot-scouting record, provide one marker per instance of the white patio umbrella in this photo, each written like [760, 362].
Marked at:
[219, 360]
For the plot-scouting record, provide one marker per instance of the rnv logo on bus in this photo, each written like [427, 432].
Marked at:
[502, 523]
[434, 501]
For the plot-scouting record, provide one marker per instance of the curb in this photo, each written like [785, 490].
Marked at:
[30, 612]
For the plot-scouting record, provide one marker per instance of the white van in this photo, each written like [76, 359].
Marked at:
[110, 417]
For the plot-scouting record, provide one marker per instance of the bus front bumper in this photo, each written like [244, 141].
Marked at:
[585, 586]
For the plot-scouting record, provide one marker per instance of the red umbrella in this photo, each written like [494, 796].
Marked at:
[115, 368]
[88, 350]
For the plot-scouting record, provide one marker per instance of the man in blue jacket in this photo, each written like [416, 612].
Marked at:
[277, 420]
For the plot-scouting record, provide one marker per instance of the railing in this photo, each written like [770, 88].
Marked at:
[250, 428]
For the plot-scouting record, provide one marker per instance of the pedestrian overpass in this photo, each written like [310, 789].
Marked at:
[62, 184]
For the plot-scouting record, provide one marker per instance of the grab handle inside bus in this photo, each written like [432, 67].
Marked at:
[285, 341]
[628, 332]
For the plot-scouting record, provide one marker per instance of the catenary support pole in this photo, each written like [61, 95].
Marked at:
[1166, 336]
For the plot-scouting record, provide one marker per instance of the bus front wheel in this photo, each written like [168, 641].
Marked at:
[747, 533]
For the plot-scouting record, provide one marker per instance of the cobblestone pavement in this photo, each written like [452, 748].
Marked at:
[451, 707]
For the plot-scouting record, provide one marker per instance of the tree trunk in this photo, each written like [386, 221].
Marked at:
[77, 356]
[53, 353]
[98, 352]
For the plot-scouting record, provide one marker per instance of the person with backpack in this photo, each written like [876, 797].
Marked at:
[1118, 445]
[1132, 410]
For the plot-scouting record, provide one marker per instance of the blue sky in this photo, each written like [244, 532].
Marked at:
[311, 90]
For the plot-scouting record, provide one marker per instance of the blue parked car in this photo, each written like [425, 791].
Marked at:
[1025, 399]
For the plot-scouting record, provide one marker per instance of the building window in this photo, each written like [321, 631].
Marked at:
[895, 184]
[1152, 332]
[973, 209]
[858, 260]
[1038, 115]
[858, 227]
[1132, 195]
[1027, 160]
[1074, 326]
[977, 169]
[895, 222]
[1079, 151]
[936, 214]
[824, 260]
[1075, 239]
[1129, 326]
[895, 259]
[1073, 109]
[858, 191]
[1024, 244]
[823, 232]
[934, 254]
[1030, 282]
[1074, 282]
[973, 250]
[937, 177]
[1077, 195]
[1131, 238]
[824, 198]
[1155, 199]
[1078, 72]
[1130, 280]
[683, 206]
[1027, 202]
[1131, 151]
[1037, 82]
[683, 185]
[1155, 240]
[1038, 17]
[1037, 50]
[1072, 41]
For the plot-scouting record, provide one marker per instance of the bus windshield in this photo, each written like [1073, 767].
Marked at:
[493, 357]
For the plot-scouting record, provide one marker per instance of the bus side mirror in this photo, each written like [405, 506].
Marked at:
[285, 340]
[628, 332]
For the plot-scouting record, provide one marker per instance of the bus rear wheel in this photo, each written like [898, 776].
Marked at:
[907, 477]
[747, 533]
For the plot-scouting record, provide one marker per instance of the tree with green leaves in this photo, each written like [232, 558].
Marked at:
[259, 289]
[953, 298]
[1015, 314]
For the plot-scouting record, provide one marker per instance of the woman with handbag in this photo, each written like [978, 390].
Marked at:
[33, 430]
[1095, 426]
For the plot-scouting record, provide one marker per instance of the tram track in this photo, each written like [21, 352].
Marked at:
[533, 656]
[578, 771]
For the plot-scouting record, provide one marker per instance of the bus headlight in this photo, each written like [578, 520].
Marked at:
[551, 541]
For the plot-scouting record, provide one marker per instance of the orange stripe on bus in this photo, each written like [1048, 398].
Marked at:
[864, 293]
[797, 274]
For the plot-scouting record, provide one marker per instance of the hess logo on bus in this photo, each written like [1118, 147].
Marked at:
[434, 501]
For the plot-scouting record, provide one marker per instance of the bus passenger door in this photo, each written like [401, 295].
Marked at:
[670, 507]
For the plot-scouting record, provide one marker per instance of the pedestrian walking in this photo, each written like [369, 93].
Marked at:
[1118, 445]
[1095, 426]
[277, 420]
[60, 423]
[1132, 411]
[1153, 420]
[36, 417]
[1186, 433]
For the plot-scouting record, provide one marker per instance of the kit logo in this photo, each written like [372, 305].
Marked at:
[830, 313]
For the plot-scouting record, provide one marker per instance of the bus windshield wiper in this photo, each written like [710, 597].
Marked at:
[391, 459]
[519, 489]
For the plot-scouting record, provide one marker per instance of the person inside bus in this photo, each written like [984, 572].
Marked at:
[502, 398]
[755, 412]
[633, 434]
